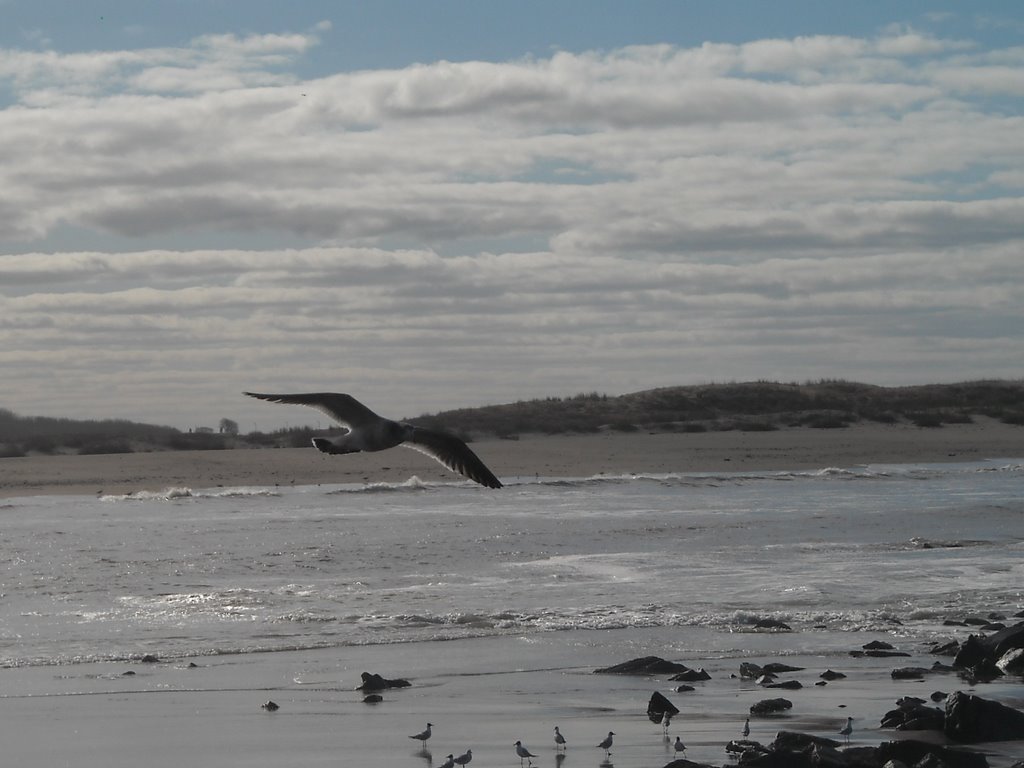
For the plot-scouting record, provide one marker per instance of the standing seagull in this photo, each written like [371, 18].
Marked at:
[464, 758]
[369, 432]
[423, 736]
[679, 746]
[524, 753]
[559, 739]
[449, 762]
[606, 745]
[847, 729]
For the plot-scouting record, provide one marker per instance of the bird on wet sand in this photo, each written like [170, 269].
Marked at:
[369, 432]
[606, 745]
[524, 753]
[679, 746]
[449, 762]
[847, 729]
[559, 739]
[464, 758]
[424, 735]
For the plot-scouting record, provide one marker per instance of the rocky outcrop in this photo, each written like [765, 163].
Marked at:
[972, 719]
[645, 665]
[374, 682]
[800, 750]
[770, 706]
[658, 706]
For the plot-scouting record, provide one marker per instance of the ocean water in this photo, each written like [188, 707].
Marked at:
[693, 559]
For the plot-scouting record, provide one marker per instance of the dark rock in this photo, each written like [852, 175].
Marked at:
[796, 741]
[683, 763]
[374, 682]
[748, 669]
[910, 752]
[658, 706]
[953, 623]
[129, 673]
[938, 696]
[149, 658]
[971, 653]
[821, 683]
[1012, 662]
[828, 674]
[975, 621]
[996, 616]
[1005, 640]
[946, 649]
[684, 688]
[911, 714]
[739, 746]
[373, 698]
[270, 706]
[789, 685]
[690, 676]
[993, 627]
[777, 669]
[645, 665]
[909, 673]
[772, 624]
[878, 654]
[770, 706]
[877, 645]
[970, 719]
[938, 666]
[984, 671]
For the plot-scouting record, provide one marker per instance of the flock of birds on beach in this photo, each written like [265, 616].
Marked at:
[523, 752]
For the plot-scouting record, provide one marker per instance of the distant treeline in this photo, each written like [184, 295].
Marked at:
[750, 406]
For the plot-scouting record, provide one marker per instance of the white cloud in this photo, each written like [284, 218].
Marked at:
[822, 206]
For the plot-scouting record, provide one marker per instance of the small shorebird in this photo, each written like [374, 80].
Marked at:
[559, 739]
[847, 729]
[424, 735]
[464, 758]
[679, 746]
[746, 728]
[666, 720]
[524, 753]
[369, 432]
[449, 762]
[606, 745]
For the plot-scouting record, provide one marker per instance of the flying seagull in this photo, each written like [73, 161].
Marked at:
[369, 432]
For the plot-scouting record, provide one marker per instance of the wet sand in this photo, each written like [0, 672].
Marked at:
[528, 457]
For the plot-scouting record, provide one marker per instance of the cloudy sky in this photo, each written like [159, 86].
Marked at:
[443, 204]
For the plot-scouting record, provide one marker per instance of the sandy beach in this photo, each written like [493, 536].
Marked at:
[480, 693]
[528, 457]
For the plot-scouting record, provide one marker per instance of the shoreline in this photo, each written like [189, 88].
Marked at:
[496, 690]
[795, 449]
